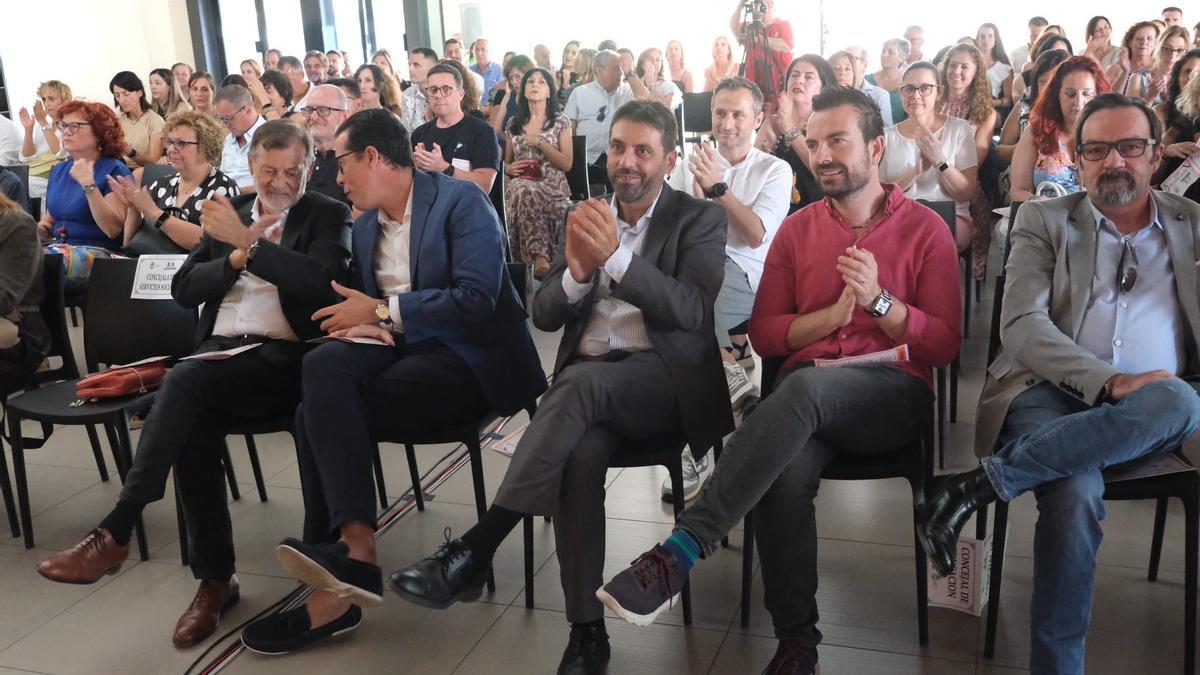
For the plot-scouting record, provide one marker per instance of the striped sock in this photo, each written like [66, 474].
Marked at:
[684, 547]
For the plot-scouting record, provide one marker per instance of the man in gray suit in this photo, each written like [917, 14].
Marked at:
[1100, 323]
[633, 290]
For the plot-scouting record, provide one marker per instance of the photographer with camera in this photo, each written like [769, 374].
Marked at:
[767, 39]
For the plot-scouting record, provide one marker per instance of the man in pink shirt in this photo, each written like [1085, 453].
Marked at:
[866, 269]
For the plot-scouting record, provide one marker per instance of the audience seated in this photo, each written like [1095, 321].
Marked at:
[452, 50]
[1024, 54]
[201, 89]
[678, 69]
[453, 143]
[996, 65]
[453, 344]
[234, 108]
[1137, 58]
[568, 75]
[1018, 118]
[272, 94]
[537, 155]
[821, 297]
[315, 65]
[1048, 42]
[414, 107]
[1099, 42]
[915, 36]
[271, 59]
[1060, 405]
[1172, 44]
[262, 269]
[649, 70]
[592, 106]
[848, 71]
[328, 107]
[893, 58]
[723, 65]
[806, 77]
[378, 89]
[24, 338]
[142, 126]
[250, 70]
[166, 98]
[291, 67]
[491, 72]
[183, 75]
[503, 104]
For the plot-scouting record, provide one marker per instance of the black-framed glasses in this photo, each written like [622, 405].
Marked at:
[911, 90]
[338, 158]
[228, 119]
[1127, 276]
[444, 90]
[600, 115]
[322, 111]
[1095, 151]
[71, 128]
[177, 144]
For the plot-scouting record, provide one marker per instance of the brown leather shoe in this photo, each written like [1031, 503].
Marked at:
[98, 554]
[200, 620]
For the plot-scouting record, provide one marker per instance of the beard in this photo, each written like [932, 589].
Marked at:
[844, 184]
[631, 193]
[1115, 187]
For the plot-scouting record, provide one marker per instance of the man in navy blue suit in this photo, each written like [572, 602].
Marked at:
[450, 342]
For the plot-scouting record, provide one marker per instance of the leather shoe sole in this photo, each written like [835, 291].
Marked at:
[314, 574]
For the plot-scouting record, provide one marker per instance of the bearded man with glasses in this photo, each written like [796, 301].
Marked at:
[1098, 365]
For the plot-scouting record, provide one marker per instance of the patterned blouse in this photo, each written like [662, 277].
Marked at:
[165, 192]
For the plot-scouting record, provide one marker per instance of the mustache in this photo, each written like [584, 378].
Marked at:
[1116, 174]
[831, 165]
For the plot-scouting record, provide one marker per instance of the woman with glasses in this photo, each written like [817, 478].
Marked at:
[170, 206]
[82, 216]
[165, 95]
[1044, 162]
[143, 127]
[1172, 45]
[929, 155]
[537, 155]
[201, 89]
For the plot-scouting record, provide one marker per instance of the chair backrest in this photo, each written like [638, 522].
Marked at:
[53, 311]
[769, 373]
[679, 139]
[120, 329]
[1012, 220]
[945, 209]
[577, 176]
[22, 171]
[998, 293]
[697, 115]
[153, 172]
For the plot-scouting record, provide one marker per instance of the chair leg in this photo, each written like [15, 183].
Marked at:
[94, 440]
[74, 317]
[380, 486]
[954, 368]
[1160, 523]
[676, 471]
[256, 467]
[184, 558]
[978, 290]
[230, 475]
[747, 565]
[119, 426]
[18, 450]
[10, 506]
[476, 452]
[922, 567]
[418, 490]
[981, 522]
[999, 532]
[941, 416]
[1191, 509]
[527, 521]
[967, 300]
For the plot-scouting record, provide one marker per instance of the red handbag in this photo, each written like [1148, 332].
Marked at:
[120, 381]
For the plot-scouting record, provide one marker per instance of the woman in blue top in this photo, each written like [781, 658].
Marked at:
[80, 211]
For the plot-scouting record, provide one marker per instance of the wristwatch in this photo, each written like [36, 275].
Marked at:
[881, 305]
[89, 188]
[717, 191]
[449, 171]
[383, 313]
[162, 219]
[792, 135]
[943, 166]
[252, 250]
[1106, 392]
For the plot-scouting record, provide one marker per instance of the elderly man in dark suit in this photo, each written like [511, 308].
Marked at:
[1099, 329]
[263, 267]
[633, 290]
[431, 289]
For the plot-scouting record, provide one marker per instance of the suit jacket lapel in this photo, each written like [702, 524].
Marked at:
[1182, 246]
[291, 227]
[1081, 254]
[365, 241]
[424, 192]
[661, 225]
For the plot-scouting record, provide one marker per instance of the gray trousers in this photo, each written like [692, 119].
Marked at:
[776, 458]
[734, 302]
[558, 469]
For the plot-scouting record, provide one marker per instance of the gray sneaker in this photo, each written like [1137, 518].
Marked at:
[646, 588]
[740, 386]
[694, 475]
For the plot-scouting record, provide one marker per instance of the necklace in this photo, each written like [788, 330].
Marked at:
[870, 221]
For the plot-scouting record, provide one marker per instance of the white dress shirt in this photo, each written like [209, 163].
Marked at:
[392, 269]
[235, 159]
[12, 137]
[251, 307]
[614, 324]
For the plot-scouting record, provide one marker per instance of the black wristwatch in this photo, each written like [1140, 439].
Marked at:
[717, 191]
[881, 305]
[943, 166]
[449, 171]
[162, 219]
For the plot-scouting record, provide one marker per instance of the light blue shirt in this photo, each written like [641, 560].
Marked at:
[1141, 330]
[491, 78]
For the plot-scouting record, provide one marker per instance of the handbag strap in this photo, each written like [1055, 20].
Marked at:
[77, 403]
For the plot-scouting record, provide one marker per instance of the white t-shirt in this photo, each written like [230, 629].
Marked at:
[761, 181]
[996, 76]
[584, 109]
[901, 155]
[668, 88]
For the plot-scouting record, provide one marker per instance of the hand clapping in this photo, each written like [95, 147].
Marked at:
[861, 274]
[591, 237]
[704, 166]
[429, 160]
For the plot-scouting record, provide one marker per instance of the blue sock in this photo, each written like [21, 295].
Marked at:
[684, 547]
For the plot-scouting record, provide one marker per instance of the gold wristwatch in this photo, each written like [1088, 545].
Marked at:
[384, 313]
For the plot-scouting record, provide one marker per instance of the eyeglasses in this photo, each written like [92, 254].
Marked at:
[600, 115]
[1095, 151]
[1127, 276]
[444, 90]
[227, 120]
[177, 144]
[338, 158]
[72, 128]
[1173, 52]
[911, 90]
[321, 110]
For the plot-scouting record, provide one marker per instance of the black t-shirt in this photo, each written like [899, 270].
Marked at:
[324, 178]
[471, 140]
[805, 187]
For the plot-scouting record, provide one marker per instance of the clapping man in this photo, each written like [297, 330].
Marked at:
[453, 143]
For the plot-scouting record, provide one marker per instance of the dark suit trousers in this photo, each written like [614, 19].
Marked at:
[198, 403]
[356, 394]
[559, 467]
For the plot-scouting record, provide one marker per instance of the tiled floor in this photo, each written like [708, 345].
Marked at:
[123, 623]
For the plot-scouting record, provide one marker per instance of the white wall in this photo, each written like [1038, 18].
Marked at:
[89, 42]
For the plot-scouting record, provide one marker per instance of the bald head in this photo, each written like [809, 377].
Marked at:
[327, 108]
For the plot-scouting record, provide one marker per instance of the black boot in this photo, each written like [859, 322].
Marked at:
[948, 510]
[587, 651]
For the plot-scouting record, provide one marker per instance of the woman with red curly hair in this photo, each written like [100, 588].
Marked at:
[80, 209]
[1043, 162]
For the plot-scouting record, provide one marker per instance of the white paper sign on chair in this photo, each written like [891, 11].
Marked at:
[967, 589]
[152, 279]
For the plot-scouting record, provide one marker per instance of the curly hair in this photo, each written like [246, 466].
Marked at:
[209, 132]
[1046, 121]
[104, 123]
[1127, 40]
[979, 92]
[1182, 107]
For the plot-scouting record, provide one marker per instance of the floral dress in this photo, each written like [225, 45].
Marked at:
[533, 208]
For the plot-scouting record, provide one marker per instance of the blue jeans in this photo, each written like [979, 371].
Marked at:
[1057, 446]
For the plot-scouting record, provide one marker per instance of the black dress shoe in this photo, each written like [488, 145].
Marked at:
[951, 506]
[450, 575]
[290, 631]
[330, 567]
[587, 651]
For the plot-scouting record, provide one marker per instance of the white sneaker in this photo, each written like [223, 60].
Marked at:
[740, 386]
[694, 475]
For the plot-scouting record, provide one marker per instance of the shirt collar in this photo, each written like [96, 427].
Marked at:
[249, 135]
[1100, 218]
[273, 231]
[407, 218]
[892, 198]
[642, 222]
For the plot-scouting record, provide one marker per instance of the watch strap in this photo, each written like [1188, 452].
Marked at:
[252, 250]
[943, 166]
[449, 171]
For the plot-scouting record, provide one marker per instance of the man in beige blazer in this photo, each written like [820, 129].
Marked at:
[1099, 329]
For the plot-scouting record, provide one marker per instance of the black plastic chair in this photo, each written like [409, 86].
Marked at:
[914, 463]
[577, 175]
[122, 330]
[1184, 486]
[697, 116]
[945, 209]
